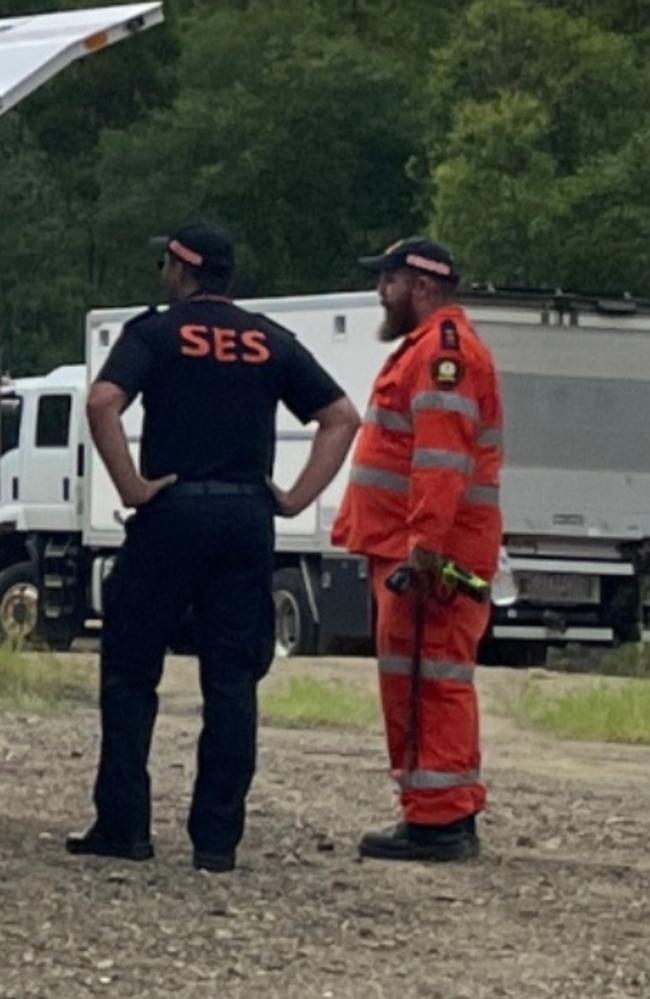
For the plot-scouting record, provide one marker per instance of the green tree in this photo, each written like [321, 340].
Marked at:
[603, 213]
[67, 117]
[493, 189]
[296, 138]
[528, 105]
[39, 290]
[48, 186]
[630, 17]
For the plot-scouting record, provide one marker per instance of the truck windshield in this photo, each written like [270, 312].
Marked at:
[10, 414]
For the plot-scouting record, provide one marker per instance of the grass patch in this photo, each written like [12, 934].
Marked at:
[604, 712]
[305, 702]
[626, 660]
[41, 683]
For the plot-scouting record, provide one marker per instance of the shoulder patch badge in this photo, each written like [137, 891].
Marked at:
[449, 339]
[447, 372]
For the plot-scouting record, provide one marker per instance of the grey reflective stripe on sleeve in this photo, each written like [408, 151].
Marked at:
[430, 669]
[451, 402]
[421, 780]
[490, 437]
[365, 475]
[389, 419]
[431, 457]
[482, 495]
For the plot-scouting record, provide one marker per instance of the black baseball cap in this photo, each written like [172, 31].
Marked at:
[418, 254]
[203, 245]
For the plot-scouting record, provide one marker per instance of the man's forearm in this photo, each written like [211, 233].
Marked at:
[108, 435]
[329, 448]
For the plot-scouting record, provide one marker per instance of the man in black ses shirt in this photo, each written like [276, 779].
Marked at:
[211, 376]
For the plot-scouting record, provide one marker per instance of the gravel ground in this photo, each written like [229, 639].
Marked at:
[558, 905]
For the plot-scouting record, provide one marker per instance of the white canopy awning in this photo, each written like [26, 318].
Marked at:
[35, 48]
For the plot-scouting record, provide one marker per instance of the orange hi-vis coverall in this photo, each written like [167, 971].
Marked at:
[426, 473]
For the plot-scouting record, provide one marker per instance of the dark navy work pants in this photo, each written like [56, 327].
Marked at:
[215, 555]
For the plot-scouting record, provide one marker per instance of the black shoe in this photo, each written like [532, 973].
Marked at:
[407, 841]
[216, 863]
[93, 843]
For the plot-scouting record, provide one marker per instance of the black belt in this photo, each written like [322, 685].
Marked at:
[211, 488]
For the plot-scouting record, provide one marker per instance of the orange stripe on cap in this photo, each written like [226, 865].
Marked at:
[435, 266]
[189, 256]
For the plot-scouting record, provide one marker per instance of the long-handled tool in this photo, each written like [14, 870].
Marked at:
[451, 576]
[405, 580]
[413, 733]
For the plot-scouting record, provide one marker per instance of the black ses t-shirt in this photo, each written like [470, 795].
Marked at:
[211, 376]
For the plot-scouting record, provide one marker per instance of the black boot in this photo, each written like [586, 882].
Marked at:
[93, 843]
[408, 841]
[215, 863]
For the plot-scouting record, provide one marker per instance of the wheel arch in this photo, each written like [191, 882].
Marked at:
[14, 548]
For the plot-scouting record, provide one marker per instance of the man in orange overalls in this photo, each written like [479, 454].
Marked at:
[424, 487]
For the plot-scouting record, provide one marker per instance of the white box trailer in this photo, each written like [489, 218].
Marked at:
[576, 484]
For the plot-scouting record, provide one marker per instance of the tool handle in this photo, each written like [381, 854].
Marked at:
[469, 583]
[402, 580]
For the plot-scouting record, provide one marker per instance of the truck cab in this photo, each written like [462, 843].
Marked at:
[41, 467]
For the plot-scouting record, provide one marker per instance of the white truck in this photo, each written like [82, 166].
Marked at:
[576, 485]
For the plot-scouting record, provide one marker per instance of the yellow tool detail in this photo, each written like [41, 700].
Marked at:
[466, 582]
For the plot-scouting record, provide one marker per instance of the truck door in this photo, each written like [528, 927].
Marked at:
[12, 405]
[49, 447]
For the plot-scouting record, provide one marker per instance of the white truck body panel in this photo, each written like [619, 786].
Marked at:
[352, 355]
[575, 485]
[36, 47]
[574, 397]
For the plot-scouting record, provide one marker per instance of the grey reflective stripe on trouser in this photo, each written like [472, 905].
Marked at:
[365, 475]
[482, 495]
[421, 780]
[451, 402]
[431, 457]
[490, 437]
[430, 669]
[389, 419]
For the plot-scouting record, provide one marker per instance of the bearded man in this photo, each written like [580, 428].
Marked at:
[424, 489]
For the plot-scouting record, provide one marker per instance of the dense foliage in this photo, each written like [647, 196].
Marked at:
[516, 131]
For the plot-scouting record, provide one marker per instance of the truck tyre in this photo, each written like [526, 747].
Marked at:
[19, 604]
[296, 632]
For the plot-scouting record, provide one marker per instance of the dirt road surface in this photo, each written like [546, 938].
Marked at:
[557, 906]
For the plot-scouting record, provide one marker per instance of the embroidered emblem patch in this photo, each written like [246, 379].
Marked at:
[449, 339]
[447, 372]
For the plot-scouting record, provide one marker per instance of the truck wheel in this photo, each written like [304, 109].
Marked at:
[18, 603]
[296, 633]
